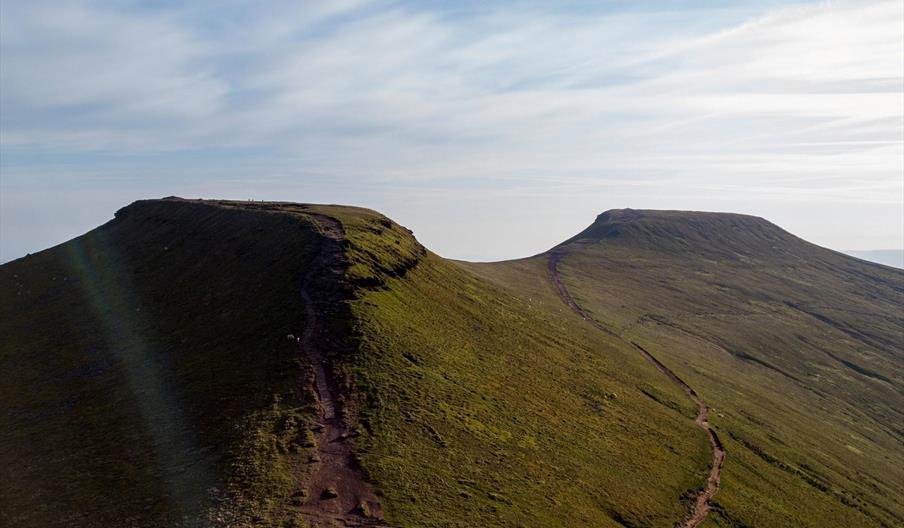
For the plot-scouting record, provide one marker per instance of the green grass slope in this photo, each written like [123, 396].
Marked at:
[148, 380]
[800, 350]
[146, 372]
[479, 406]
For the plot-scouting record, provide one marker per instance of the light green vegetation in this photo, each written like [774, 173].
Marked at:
[798, 349]
[485, 411]
[481, 406]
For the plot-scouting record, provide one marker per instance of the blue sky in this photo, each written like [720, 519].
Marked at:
[492, 130]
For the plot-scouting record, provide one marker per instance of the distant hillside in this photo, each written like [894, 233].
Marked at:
[216, 363]
[799, 351]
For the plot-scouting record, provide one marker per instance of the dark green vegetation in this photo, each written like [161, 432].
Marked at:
[148, 378]
[147, 371]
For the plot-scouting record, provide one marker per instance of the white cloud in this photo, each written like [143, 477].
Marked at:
[86, 73]
[797, 103]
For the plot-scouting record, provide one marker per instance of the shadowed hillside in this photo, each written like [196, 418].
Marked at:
[146, 366]
[272, 364]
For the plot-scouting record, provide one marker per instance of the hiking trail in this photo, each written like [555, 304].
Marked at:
[336, 494]
[702, 503]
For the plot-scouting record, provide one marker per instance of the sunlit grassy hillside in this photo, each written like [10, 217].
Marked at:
[485, 407]
[799, 349]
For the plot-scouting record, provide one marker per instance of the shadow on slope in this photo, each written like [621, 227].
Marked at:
[147, 374]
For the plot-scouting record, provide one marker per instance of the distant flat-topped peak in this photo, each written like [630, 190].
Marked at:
[671, 215]
[695, 231]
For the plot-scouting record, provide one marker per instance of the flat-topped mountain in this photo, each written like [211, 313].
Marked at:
[224, 363]
[717, 235]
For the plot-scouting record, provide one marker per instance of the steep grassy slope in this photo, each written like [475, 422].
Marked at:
[799, 349]
[146, 372]
[149, 381]
[480, 408]
[148, 378]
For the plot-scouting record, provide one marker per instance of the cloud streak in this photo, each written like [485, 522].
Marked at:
[791, 104]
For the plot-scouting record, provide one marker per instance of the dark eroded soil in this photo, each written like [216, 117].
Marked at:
[336, 493]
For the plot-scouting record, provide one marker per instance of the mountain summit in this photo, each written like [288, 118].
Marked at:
[717, 234]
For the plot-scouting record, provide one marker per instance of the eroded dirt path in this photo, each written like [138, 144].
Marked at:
[336, 493]
[702, 504]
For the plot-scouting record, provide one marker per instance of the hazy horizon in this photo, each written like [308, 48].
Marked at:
[888, 257]
[494, 132]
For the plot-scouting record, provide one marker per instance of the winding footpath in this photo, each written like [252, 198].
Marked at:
[336, 493]
[702, 504]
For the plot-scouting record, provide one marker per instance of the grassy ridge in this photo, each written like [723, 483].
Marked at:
[150, 374]
[798, 348]
[166, 375]
[477, 405]
[482, 406]
[150, 357]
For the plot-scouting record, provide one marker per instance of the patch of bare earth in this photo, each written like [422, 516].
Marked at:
[702, 503]
[335, 494]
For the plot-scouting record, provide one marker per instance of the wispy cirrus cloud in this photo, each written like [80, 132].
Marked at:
[710, 107]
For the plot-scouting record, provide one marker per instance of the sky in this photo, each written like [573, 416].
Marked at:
[494, 130]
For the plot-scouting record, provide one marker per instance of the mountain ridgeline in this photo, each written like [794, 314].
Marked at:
[223, 363]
